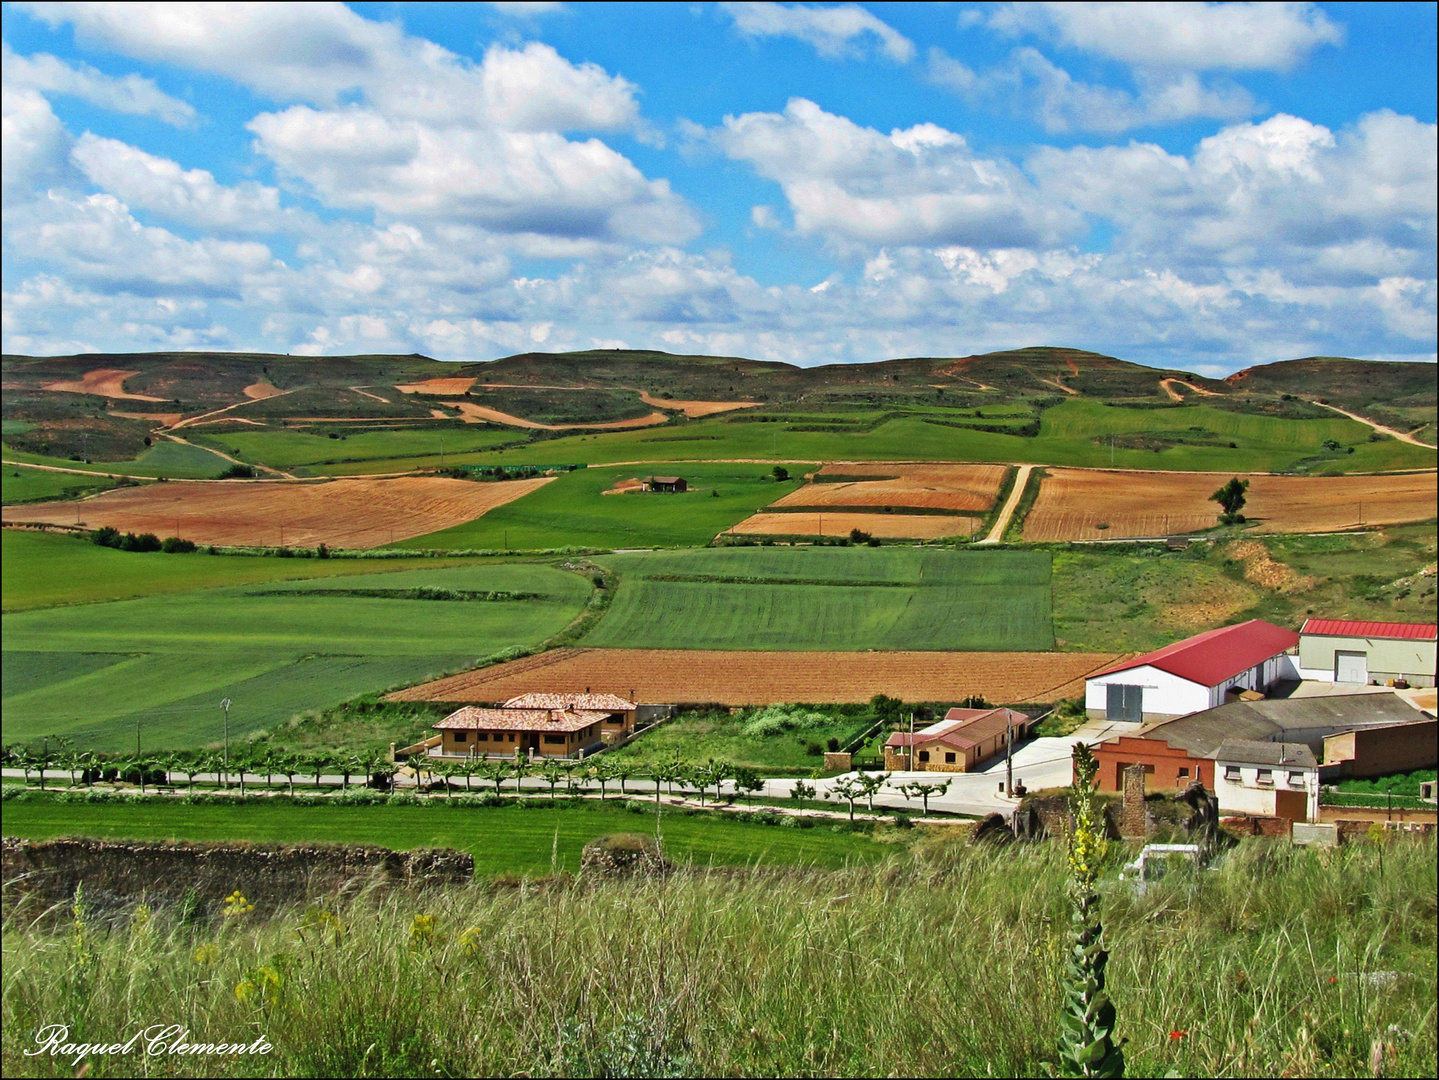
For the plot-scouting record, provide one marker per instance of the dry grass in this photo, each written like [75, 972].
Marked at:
[696, 409]
[437, 386]
[1073, 503]
[840, 523]
[767, 678]
[924, 487]
[348, 513]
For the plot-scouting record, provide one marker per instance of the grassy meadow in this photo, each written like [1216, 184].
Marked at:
[93, 671]
[1075, 432]
[793, 746]
[292, 450]
[1124, 598]
[818, 598]
[939, 961]
[572, 511]
[535, 839]
[180, 461]
[19, 484]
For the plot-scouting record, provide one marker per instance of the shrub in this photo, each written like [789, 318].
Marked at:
[832, 745]
[238, 472]
[776, 719]
[105, 536]
[143, 542]
[174, 545]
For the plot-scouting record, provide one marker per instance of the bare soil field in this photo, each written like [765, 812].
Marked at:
[766, 678]
[923, 487]
[634, 483]
[437, 386]
[839, 523]
[165, 419]
[479, 414]
[356, 513]
[694, 409]
[261, 390]
[1175, 395]
[106, 382]
[1073, 503]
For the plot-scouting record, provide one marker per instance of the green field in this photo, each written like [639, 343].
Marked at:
[503, 840]
[93, 671]
[1075, 432]
[46, 569]
[291, 449]
[165, 458]
[792, 749]
[22, 485]
[809, 598]
[571, 511]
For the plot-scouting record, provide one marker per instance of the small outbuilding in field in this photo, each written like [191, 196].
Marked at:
[666, 483]
[962, 741]
[1356, 651]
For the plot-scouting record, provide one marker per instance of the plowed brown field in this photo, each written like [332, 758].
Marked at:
[437, 386]
[695, 409]
[106, 382]
[1073, 503]
[767, 678]
[923, 487]
[839, 523]
[356, 513]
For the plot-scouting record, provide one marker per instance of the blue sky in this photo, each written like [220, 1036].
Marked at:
[1200, 185]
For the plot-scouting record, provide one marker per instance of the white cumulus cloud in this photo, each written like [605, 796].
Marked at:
[834, 31]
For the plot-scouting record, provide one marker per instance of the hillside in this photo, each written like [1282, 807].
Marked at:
[334, 415]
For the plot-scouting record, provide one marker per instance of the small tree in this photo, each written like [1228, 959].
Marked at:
[495, 773]
[288, 765]
[746, 780]
[553, 772]
[1086, 1046]
[850, 789]
[780, 473]
[924, 792]
[870, 783]
[520, 769]
[621, 770]
[602, 772]
[315, 765]
[1231, 498]
[801, 791]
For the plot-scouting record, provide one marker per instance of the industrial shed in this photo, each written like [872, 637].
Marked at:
[1194, 674]
[1358, 651]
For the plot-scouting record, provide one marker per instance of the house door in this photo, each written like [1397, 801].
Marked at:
[1124, 703]
[1351, 667]
[1293, 805]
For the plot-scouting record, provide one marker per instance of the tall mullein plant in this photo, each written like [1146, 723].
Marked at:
[1086, 1043]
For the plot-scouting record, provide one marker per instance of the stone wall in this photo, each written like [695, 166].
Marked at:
[119, 873]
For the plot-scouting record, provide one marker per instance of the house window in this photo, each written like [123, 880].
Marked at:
[1184, 774]
[948, 759]
[483, 736]
[924, 755]
[1296, 779]
[461, 736]
[1265, 776]
[1231, 772]
[554, 740]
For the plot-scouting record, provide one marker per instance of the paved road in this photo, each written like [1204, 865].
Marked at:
[1038, 763]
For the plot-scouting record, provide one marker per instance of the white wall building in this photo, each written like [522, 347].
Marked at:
[1194, 674]
[1269, 779]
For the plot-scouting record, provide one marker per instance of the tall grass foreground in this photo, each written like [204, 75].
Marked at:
[1282, 962]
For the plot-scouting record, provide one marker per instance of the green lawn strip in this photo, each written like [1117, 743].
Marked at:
[22, 485]
[1397, 783]
[47, 569]
[288, 449]
[503, 840]
[928, 598]
[698, 737]
[169, 459]
[572, 511]
[174, 656]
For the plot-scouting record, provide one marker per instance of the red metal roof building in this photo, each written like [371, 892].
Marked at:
[1193, 674]
[1361, 651]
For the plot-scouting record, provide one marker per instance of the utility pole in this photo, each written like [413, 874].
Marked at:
[1009, 758]
[85, 444]
[226, 706]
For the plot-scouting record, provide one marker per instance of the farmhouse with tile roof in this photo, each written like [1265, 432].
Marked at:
[962, 741]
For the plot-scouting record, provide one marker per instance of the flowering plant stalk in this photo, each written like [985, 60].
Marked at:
[1086, 1044]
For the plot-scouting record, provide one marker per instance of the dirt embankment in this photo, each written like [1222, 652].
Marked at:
[1263, 570]
[105, 382]
[118, 873]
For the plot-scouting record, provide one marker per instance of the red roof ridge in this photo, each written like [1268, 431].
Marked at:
[1215, 655]
[1371, 628]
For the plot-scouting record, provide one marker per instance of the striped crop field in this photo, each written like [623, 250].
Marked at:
[831, 598]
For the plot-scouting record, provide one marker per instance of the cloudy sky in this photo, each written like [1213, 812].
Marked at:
[1204, 185]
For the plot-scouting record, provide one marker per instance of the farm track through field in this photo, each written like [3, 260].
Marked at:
[1021, 481]
[1400, 435]
[765, 678]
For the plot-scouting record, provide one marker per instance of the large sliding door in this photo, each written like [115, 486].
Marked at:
[1124, 703]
